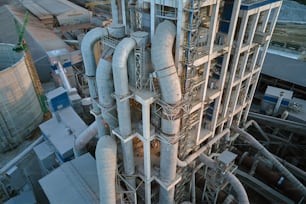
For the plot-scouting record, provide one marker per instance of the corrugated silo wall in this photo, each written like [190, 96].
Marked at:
[20, 111]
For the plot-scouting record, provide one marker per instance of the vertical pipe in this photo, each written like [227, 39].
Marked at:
[106, 147]
[63, 77]
[169, 82]
[120, 77]
[278, 103]
[115, 12]
[123, 12]
[152, 19]
[105, 88]
[106, 157]
[87, 45]
[132, 10]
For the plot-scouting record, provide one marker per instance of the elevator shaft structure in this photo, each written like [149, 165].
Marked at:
[173, 78]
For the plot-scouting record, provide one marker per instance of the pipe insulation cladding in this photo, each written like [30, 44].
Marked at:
[163, 63]
[105, 88]
[252, 141]
[242, 196]
[87, 49]
[87, 46]
[105, 84]
[106, 157]
[82, 140]
[120, 76]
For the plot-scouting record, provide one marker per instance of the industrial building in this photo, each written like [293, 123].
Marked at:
[170, 86]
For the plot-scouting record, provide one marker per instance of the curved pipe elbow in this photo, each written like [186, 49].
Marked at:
[89, 133]
[242, 196]
[196, 154]
[87, 45]
[104, 81]
[120, 58]
[163, 62]
[252, 141]
[120, 76]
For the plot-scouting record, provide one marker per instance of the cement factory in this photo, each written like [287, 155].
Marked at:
[146, 101]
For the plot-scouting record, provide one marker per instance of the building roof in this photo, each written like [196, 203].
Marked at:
[290, 70]
[39, 38]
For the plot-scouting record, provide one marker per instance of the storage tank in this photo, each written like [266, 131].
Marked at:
[20, 111]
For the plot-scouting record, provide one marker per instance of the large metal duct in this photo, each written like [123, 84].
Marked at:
[106, 147]
[272, 177]
[105, 85]
[20, 111]
[169, 82]
[120, 77]
[106, 157]
[252, 141]
[82, 140]
[242, 196]
[87, 45]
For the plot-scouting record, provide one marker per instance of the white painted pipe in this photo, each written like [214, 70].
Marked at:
[83, 139]
[87, 49]
[253, 122]
[169, 82]
[242, 196]
[105, 85]
[106, 157]
[120, 76]
[252, 141]
[106, 148]
[209, 144]
[105, 89]
[16, 159]
[63, 77]
[87, 46]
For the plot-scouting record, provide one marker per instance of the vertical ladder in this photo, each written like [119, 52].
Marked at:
[190, 44]
[191, 41]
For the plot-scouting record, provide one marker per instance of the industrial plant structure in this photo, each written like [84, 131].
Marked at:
[170, 94]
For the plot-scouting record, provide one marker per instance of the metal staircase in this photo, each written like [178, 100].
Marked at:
[191, 84]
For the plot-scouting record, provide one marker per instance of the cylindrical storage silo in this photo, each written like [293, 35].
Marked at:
[20, 111]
